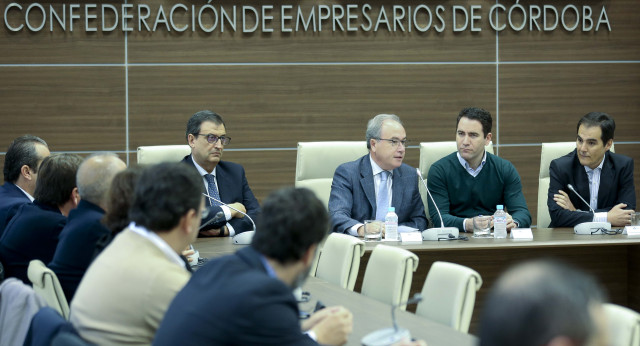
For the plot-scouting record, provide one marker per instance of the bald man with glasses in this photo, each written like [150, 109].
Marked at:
[224, 181]
[364, 189]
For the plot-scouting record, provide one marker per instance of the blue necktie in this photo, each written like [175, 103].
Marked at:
[213, 189]
[382, 200]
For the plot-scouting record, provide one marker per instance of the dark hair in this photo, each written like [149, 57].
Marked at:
[479, 114]
[196, 120]
[536, 301]
[604, 120]
[165, 192]
[119, 200]
[22, 151]
[290, 222]
[57, 179]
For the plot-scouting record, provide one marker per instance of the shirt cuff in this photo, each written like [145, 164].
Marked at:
[312, 335]
[354, 229]
[600, 217]
[227, 212]
[232, 232]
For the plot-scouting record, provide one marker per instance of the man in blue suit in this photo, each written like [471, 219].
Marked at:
[224, 181]
[33, 231]
[246, 298]
[77, 245]
[364, 189]
[21, 165]
[602, 178]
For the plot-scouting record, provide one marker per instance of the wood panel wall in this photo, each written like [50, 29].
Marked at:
[86, 92]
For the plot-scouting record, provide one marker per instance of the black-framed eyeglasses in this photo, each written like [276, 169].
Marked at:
[211, 138]
[606, 231]
[395, 142]
[452, 237]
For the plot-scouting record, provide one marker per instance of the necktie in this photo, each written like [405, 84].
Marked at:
[213, 189]
[382, 200]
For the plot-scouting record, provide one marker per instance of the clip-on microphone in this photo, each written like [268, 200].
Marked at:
[589, 227]
[436, 233]
[389, 336]
[243, 238]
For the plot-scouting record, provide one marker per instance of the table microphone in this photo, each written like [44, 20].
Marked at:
[216, 218]
[435, 232]
[243, 238]
[589, 227]
[390, 336]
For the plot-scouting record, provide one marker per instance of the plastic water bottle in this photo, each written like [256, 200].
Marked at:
[391, 225]
[500, 223]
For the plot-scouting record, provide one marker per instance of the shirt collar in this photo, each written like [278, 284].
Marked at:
[159, 242]
[375, 168]
[201, 170]
[270, 271]
[25, 192]
[589, 170]
[466, 165]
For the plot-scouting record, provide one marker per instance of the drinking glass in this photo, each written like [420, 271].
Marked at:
[373, 230]
[482, 227]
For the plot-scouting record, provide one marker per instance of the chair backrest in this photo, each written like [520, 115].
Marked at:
[162, 153]
[430, 152]
[389, 274]
[316, 163]
[548, 153]
[46, 284]
[449, 295]
[340, 260]
[623, 325]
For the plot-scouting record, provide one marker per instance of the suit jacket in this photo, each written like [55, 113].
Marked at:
[353, 197]
[77, 245]
[233, 301]
[31, 234]
[233, 187]
[11, 197]
[125, 292]
[616, 186]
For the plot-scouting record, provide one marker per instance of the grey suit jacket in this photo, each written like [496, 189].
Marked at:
[353, 197]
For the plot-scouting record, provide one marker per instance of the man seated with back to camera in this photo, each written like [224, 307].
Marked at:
[604, 179]
[472, 182]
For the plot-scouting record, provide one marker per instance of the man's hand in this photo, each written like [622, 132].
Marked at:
[216, 232]
[361, 231]
[562, 199]
[617, 216]
[510, 223]
[332, 326]
[239, 206]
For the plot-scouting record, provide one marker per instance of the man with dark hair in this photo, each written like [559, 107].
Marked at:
[543, 303]
[246, 298]
[128, 287]
[601, 177]
[223, 180]
[33, 231]
[78, 239]
[21, 164]
[364, 189]
[472, 182]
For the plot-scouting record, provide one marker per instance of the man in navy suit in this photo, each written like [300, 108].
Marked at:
[604, 179]
[225, 181]
[20, 170]
[246, 298]
[33, 231]
[364, 189]
[78, 238]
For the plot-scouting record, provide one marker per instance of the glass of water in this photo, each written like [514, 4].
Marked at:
[373, 230]
[482, 227]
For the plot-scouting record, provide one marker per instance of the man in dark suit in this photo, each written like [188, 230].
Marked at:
[226, 181]
[33, 231]
[364, 189]
[20, 170]
[602, 178]
[246, 298]
[78, 238]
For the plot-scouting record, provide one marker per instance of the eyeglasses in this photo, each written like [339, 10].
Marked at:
[606, 231]
[211, 138]
[395, 142]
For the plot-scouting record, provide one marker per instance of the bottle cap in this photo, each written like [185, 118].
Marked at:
[393, 209]
[500, 207]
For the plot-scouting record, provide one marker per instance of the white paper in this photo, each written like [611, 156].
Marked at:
[411, 238]
[632, 230]
[522, 233]
[404, 229]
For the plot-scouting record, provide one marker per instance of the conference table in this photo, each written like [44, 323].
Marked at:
[613, 259]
